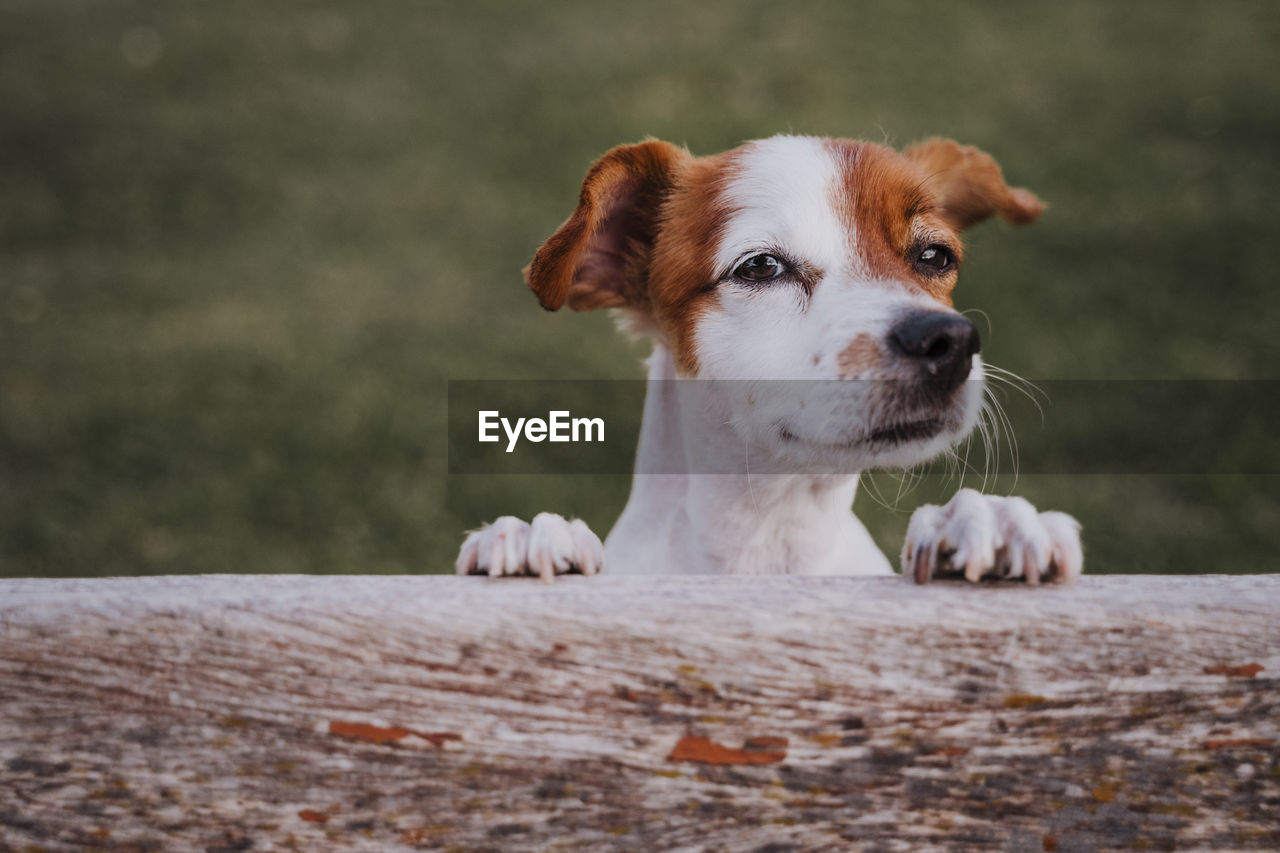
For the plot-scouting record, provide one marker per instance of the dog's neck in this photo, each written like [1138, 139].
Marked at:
[686, 430]
[748, 519]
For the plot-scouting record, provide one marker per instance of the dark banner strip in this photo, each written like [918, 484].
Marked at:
[1060, 427]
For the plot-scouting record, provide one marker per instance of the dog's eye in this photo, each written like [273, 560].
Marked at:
[936, 258]
[759, 268]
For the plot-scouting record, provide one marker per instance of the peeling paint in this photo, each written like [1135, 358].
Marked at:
[703, 750]
[1248, 670]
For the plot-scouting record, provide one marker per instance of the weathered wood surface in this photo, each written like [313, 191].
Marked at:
[379, 713]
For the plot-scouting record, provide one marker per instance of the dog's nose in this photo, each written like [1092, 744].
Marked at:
[940, 343]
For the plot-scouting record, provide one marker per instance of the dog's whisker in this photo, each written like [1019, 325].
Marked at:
[967, 467]
[873, 489]
[1000, 426]
[903, 479]
[1006, 424]
[1011, 439]
[985, 316]
[991, 433]
[956, 460]
[985, 438]
[907, 483]
[983, 430]
[1008, 379]
[874, 492]
[984, 433]
[746, 450]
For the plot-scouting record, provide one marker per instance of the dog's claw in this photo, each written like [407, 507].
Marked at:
[983, 536]
[923, 566]
[921, 548]
[547, 547]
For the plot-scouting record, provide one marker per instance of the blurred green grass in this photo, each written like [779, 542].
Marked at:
[243, 248]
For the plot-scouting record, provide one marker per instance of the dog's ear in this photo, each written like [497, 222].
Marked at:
[969, 186]
[598, 256]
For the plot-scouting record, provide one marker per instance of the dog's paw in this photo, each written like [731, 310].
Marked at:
[548, 547]
[981, 536]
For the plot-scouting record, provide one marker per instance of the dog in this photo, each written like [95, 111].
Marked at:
[796, 259]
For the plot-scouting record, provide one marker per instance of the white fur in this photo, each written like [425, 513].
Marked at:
[782, 198]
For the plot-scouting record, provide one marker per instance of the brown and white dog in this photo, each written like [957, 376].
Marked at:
[790, 258]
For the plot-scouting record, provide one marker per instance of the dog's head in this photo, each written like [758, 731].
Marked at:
[795, 258]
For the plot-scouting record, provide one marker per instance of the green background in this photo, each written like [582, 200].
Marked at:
[243, 246]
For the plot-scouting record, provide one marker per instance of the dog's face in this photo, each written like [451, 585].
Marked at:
[795, 258]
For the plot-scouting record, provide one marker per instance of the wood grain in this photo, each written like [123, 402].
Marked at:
[397, 713]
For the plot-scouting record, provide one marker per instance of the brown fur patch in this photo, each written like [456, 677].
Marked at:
[596, 259]
[861, 355]
[969, 185]
[889, 210]
[643, 238]
[896, 204]
[682, 273]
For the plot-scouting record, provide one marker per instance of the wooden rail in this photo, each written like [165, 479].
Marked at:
[396, 713]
